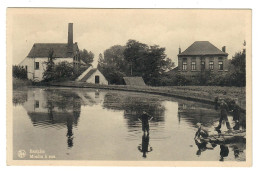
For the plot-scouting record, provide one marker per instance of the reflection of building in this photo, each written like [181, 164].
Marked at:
[91, 98]
[35, 62]
[54, 109]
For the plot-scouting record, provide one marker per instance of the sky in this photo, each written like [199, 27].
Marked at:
[98, 29]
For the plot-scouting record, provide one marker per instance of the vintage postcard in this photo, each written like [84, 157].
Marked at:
[129, 87]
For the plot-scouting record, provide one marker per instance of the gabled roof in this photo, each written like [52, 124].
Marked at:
[91, 72]
[134, 81]
[60, 50]
[202, 48]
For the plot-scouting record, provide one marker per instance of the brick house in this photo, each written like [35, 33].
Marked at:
[201, 56]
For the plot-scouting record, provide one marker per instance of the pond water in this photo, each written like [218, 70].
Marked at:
[89, 124]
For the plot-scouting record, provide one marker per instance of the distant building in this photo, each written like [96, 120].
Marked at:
[201, 56]
[34, 63]
[134, 81]
[92, 76]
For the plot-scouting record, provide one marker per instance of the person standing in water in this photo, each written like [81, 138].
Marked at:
[236, 114]
[145, 118]
[223, 114]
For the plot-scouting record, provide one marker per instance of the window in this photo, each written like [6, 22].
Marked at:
[37, 65]
[36, 105]
[193, 65]
[220, 65]
[96, 79]
[184, 64]
[202, 65]
[211, 65]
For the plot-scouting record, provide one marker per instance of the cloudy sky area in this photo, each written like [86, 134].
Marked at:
[98, 30]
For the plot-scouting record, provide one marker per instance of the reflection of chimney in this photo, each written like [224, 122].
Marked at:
[179, 50]
[224, 49]
[70, 37]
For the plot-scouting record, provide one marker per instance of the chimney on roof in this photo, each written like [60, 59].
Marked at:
[224, 49]
[179, 50]
[70, 37]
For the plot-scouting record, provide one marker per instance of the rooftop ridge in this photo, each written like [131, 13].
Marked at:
[202, 48]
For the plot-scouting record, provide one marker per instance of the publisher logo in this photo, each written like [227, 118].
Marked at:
[21, 153]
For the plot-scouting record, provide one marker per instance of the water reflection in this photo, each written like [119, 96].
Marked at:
[224, 151]
[204, 146]
[54, 108]
[145, 146]
[133, 107]
[77, 114]
[19, 97]
[197, 113]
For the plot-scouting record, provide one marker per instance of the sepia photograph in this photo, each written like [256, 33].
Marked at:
[129, 87]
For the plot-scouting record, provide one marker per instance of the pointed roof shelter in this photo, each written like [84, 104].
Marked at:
[199, 48]
[93, 76]
[137, 81]
[86, 77]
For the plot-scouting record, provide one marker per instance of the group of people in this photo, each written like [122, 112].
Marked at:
[221, 104]
[224, 110]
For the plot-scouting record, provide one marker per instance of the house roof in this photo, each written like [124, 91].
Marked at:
[60, 50]
[202, 48]
[134, 81]
[91, 72]
[173, 71]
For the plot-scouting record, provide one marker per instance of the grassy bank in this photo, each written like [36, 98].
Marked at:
[17, 83]
[204, 94]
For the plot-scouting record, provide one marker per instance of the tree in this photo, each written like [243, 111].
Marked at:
[113, 64]
[49, 73]
[57, 72]
[149, 62]
[239, 70]
[134, 53]
[19, 72]
[86, 56]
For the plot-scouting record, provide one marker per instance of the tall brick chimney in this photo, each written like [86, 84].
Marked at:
[70, 37]
[224, 49]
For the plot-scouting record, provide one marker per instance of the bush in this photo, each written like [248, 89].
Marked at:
[79, 72]
[166, 81]
[181, 80]
[59, 72]
[63, 71]
[113, 75]
[19, 72]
